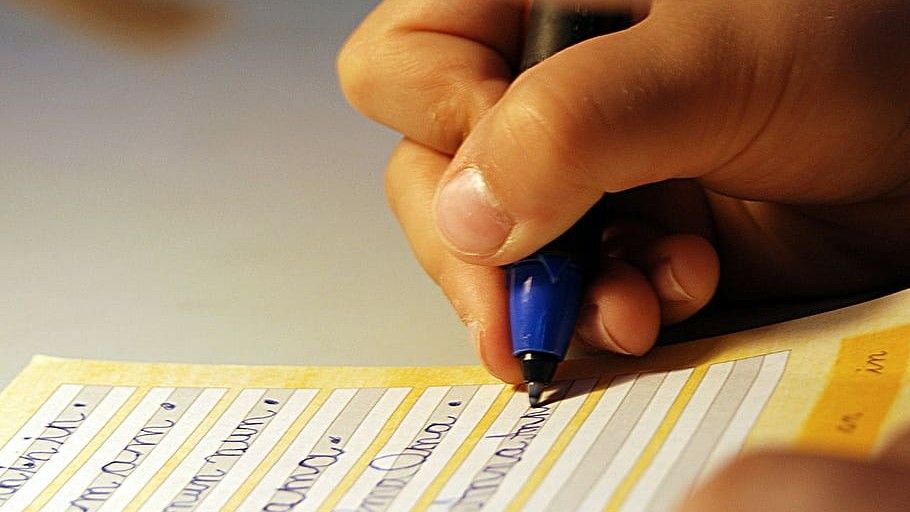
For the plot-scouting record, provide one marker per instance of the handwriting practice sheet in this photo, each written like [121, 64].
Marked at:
[617, 434]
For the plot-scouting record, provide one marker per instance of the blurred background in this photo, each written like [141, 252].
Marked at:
[196, 189]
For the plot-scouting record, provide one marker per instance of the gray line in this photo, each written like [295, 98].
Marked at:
[218, 464]
[50, 440]
[326, 451]
[509, 452]
[706, 436]
[608, 443]
[114, 472]
[349, 420]
[399, 469]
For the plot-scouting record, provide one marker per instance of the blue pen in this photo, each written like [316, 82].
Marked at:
[546, 288]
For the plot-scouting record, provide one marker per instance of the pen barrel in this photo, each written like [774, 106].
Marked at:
[546, 291]
[546, 288]
[554, 26]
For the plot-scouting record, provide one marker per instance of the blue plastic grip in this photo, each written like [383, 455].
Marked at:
[545, 291]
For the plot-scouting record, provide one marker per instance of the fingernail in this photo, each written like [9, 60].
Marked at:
[668, 286]
[590, 319]
[469, 217]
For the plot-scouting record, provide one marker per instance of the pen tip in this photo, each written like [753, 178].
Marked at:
[535, 389]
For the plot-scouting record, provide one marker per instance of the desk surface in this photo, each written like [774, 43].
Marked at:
[219, 204]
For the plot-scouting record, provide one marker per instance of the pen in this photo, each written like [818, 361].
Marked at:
[546, 288]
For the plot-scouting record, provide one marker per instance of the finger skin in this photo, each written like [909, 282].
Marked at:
[783, 482]
[897, 451]
[477, 293]
[719, 91]
[479, 296]
[429, 69]
[621, 311]
[684, 271]
[628, 307]
[584, 122]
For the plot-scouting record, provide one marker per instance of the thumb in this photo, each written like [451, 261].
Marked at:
[606, 115]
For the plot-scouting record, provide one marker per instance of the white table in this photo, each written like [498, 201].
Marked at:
[222, 204]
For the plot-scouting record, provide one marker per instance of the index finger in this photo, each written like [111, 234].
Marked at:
[430, 68]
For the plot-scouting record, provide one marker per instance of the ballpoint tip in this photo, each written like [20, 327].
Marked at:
[535, 389]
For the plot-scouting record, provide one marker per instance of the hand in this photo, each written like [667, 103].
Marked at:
[780, 482]
[758, 150]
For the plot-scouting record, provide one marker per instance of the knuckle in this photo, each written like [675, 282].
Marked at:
[547, 120]
[392, 80]
[445, 118]
[449, 92]
[548, 107]
[354, 66]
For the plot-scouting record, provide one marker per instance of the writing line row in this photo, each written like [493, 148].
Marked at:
[319, 459]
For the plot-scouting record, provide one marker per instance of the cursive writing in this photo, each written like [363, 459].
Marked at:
[218, 463]
[296, 487]
[42, 449]
[507, 455]
[118, 469]
[401, 467]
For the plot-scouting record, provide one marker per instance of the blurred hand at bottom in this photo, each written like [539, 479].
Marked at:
[789, 482]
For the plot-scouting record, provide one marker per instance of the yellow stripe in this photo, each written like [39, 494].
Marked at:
[543, 469]
[378, 442]
[90, 449]
[465, 449]
[650, 451]
[280, 447]
[862, 386]
[188, 444]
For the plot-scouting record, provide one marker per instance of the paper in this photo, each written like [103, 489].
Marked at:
[619, 434]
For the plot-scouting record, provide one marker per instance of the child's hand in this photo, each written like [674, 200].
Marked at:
[783, 127]
[780, 482]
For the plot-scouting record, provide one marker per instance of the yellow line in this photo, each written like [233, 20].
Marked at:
[465, 449]
[89, 449]
[581, 416]
[650, 451]
[862, 386]
[280, 447]
[201, 430]
[381, 439]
